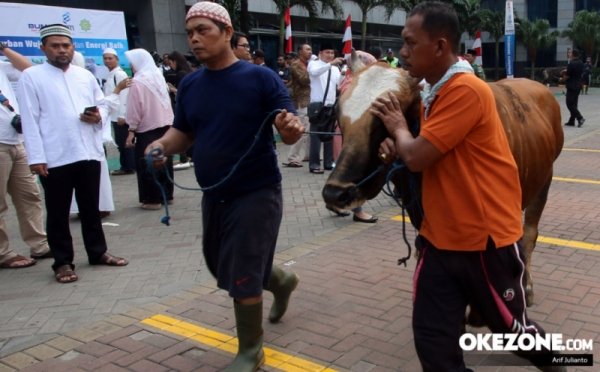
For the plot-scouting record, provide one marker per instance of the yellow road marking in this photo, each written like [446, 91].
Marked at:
[399, 218]
[576, 180]
[580, 150]
[221, 341]
[569, 243]
[545, 239]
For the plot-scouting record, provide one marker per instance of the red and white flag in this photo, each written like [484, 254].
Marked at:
[347, 39]
[477, 48]
[288, 31]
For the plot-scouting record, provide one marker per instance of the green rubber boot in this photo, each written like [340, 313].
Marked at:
[248, 321]
[281, 284]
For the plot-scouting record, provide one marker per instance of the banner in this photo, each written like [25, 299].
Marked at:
[509, 39]
[347, 39]
[477, 48]
[288, 31]
[93, 30]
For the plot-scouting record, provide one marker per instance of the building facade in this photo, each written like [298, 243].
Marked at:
[159, 24]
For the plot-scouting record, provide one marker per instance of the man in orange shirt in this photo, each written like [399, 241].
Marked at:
[469, 250]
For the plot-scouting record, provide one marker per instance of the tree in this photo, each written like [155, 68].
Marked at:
[469, 19]
[535, 36]
[365, 6]
[468, 11]
[310, 6]
[584, 31]
[493, 22]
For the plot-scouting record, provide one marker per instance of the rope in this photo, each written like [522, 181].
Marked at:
[387, 190]
[157, 154]
[330, 133]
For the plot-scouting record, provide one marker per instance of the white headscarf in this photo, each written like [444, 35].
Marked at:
[149, 75]
[78, 59]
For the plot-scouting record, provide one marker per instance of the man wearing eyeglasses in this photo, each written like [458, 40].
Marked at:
[241, 46]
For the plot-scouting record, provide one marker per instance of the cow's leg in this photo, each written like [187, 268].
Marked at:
[533, 213]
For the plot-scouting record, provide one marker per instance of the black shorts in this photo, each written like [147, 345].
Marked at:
[239, 239]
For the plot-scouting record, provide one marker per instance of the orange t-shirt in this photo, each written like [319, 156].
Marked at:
[473, 191]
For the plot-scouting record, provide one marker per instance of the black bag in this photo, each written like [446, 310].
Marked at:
[322, 118]
[16, 123]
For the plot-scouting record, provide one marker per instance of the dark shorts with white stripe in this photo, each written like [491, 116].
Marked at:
[445, 282]
[239, 239]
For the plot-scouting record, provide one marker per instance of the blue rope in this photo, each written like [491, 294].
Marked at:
[157, 154]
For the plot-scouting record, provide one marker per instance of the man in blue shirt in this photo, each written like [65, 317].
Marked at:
[220, 110]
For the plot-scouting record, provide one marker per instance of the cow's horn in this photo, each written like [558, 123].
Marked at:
[355, 64]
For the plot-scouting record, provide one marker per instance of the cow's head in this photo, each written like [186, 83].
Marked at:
[363, 132]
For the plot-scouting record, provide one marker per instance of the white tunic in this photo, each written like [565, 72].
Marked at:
[51, 101]
[114, 77]
[318, 71]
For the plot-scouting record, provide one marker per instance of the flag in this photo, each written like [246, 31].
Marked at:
[509, 39]
[477, 48]
[288, 31]
[347, 39]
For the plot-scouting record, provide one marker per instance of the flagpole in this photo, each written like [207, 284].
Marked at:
[509, 39]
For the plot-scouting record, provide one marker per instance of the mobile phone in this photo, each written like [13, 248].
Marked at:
[90, 110]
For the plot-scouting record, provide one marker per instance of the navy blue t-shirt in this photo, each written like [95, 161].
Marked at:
[224, 110]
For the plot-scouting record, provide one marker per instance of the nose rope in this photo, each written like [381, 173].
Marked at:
[157, 154]
[387, 190]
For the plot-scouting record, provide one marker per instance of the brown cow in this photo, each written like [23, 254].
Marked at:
[528, 110]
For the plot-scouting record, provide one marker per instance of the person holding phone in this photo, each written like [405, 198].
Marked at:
[63, 140]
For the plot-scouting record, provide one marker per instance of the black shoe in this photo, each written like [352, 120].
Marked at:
[373, 219]
[569, 124]
[581, 121]
[121, 172]
[339, 213]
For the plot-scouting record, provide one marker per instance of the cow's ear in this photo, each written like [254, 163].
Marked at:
[355, 64]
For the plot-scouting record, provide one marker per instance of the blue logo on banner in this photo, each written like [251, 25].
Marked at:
[66, 18]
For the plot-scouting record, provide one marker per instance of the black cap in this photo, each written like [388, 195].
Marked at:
[326, 46]
[258, 54]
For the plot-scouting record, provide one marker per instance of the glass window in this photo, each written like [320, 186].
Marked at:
[587, 5]
[543, 10]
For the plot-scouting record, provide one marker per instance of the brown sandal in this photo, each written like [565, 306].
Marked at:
[110, 260]
[65, 274]
[13, 263]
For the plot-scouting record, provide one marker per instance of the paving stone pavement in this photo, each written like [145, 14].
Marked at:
[351, 311]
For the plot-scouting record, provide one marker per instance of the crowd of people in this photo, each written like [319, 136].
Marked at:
[64, 113]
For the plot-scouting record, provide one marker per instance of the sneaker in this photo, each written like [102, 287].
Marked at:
[181, 166]
[581, 121]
